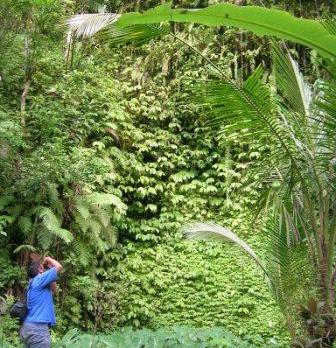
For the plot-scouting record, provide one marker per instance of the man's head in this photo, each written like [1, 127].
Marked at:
[34, 269]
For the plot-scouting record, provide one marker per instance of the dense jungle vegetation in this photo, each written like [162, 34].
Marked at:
[112, 144]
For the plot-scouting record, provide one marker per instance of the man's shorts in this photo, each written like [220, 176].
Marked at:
[34, 335]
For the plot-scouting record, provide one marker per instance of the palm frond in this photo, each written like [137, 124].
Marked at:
[247, 107]
[287, 263]
[329, 24]
[250, 110]
[136, 34]
[324, 119]
[86, 25]
[291, 82]
[326, 103]
[210, 231]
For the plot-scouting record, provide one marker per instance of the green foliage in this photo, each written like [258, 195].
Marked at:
[150, 157]
[200, 284]
[114, 159]
[177, 336]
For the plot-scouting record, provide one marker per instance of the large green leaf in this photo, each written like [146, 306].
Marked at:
[261, 21]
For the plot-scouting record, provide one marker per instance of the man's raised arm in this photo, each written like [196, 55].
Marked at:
[50, 262]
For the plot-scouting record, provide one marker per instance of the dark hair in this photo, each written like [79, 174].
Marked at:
[33, 269]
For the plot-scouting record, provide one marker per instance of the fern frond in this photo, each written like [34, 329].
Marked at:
[24, 247]
[111, 235]
[84, 224]
[25, 224]
[63, 234]
[44, 237]
[107, 199]
[95, 227]
[83, 254]
[54, 201]
[102, 216]
[6, 200]
[51, 223]
[82, 207]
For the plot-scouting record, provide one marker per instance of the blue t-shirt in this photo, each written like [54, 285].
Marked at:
[40, 300]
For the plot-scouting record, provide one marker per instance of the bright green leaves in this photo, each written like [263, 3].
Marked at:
[201, 283]
[93, 215]
[259, 20]
[4, 221]
[175, 336]
[52, 228]
[209, 231]
[138, 27]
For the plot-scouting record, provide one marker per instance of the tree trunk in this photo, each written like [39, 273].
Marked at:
[26, 86]
[24, 94]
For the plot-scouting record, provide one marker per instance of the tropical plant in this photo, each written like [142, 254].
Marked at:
[261, 21]
[297, 176]
[296, 120]
[178, 336]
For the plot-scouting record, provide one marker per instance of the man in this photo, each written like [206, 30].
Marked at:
[34, 332]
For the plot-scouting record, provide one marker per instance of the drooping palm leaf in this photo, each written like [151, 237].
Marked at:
[86, 25]
[210, 231]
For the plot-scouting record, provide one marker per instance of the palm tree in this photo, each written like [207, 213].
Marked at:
[298, 122]
[298, 176]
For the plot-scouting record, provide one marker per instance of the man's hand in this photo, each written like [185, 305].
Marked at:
[50, 262]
